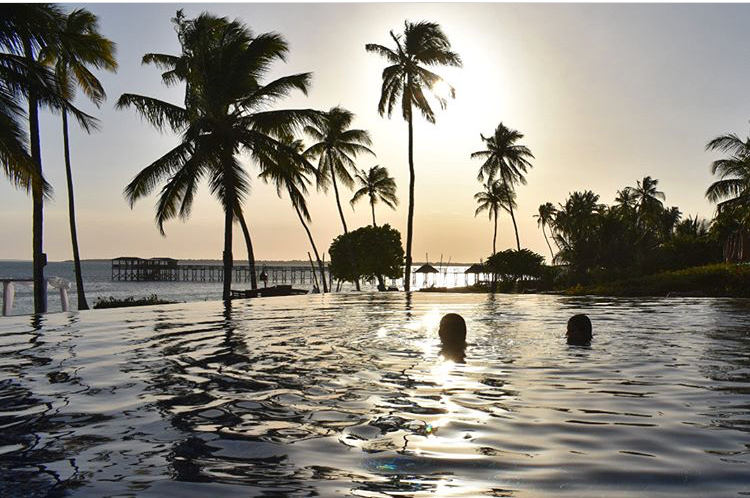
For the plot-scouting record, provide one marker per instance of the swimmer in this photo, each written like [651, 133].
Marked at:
[452, 334]
[579, 330]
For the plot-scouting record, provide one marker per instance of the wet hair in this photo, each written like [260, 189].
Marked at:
[579, 330]
[452, 330]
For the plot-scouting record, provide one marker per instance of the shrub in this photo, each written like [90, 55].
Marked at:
[112, 302]
[719, 280]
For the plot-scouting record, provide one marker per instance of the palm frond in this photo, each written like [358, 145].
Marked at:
[157, 112]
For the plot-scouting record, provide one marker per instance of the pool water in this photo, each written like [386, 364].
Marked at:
[348, 395]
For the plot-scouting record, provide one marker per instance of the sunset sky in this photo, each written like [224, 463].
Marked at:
[605, 94]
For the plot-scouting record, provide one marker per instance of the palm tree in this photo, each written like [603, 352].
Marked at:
[647, 199]
[292, 177]
[625, 198]
[546, 217]
[17, 77]
[732, 189]
[668, 220]
[377, 185]
[407, 78]
[221, 65]
[506, 159]
[492, 199]
[81, 46]
[25, 30]
[336, 145]
[14, 156]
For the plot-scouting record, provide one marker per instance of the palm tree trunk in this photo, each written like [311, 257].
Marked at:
[82, 304]
[341, 212]
[494, 236]
[410, 219]
[372, 205]
[548, 244]
[228, 220]
[250, 252]
[512, 216]
[315, 250]
[40, 301]
[336, 191]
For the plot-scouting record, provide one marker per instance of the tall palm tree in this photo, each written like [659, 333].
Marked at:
[506, 160]
[546, 217]
[81, 46]
[221, 65]
[17, 78]
[732, 189]
[336, 146]
[422, 44]
[648, 200]
[377, 185]
[25, 30]
[292, 178]
[16, 162]
[492, 199]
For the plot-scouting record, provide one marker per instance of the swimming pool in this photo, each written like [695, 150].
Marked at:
[346, 395]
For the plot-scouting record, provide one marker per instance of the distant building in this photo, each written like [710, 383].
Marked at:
[140, 269]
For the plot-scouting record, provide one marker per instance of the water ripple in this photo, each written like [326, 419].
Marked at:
[348, 395]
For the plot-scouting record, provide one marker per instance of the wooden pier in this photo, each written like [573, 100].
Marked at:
[130, 269]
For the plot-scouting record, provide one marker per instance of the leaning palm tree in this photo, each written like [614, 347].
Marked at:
[221, 65]
[732, 189]
[506, 160]
[377, 185]
[336, 146]
[492, 199]
[546, 217]
[421, 45]
[25, 30]
[291, 177]
[81, 46]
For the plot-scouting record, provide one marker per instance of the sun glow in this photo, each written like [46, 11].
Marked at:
[443, 90]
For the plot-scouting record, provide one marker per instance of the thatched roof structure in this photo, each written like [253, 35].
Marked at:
[426, 268]
[476, 268]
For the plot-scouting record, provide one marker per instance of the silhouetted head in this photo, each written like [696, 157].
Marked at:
[452, 330]
[579, 330]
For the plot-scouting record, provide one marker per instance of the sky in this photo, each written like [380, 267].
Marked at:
[605, 94]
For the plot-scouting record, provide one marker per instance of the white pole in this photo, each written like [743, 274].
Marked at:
[64, 298]
[8, 294]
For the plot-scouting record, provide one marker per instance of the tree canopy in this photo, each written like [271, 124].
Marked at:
[368, 252]
[511, 265]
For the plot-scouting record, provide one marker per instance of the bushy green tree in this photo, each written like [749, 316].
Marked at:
[511, 265]
[368, 252]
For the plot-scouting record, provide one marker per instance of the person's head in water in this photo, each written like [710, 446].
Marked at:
[452, 330]
[579, 330]
[453, 337]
